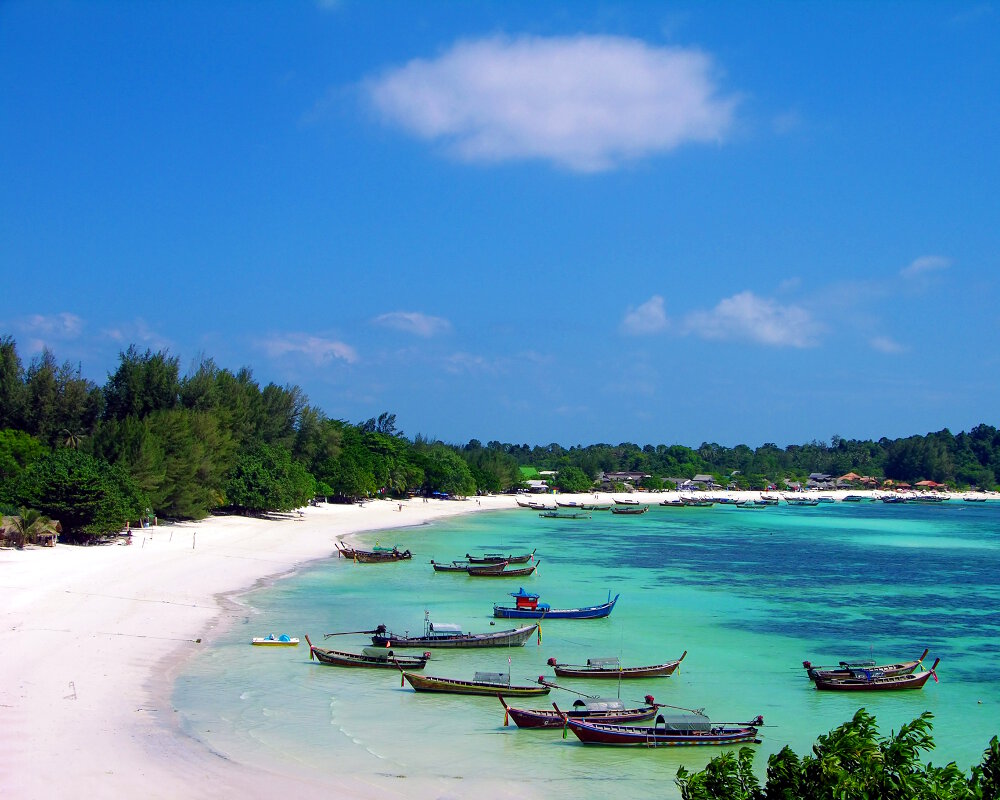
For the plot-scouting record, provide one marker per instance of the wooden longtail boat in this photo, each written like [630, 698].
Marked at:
[274, 641]
[611, 668]
[495, 684]
[526, 606]
[630, 509]
[627, 502]
[454, 566]
[500, 570]
[565, 515]
[584, 506]
[496, 558]
[674, 730]
[868, 681]
[374, 556]
[372, 657]
[846, 669]
[437, 634]
[591, 709]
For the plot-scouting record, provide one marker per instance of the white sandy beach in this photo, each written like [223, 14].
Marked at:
[93, 637]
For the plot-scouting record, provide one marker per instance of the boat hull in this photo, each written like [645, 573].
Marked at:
[512, 638]
[641, 736]
[431, 683]
[542, 718]
[616, 673]
[587, 612]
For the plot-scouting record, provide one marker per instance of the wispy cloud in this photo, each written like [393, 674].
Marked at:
[648, 318]
[414, 322]
[884, 344]
[924, 265]
[747, 316]
[468, 362]
[588, 103]
[315, 348]
[137, 331]
[36, 332]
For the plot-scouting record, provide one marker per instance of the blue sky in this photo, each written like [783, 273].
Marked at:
[569, 222]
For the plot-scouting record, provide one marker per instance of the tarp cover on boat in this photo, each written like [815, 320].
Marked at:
[683, 722]
[600, 704]
[603, 663]
[444, 628]
[493, 677]
[377, 652]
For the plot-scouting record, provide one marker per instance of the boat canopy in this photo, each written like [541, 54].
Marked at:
[683, 722]
[502, 678]
[377, 652]
[599, 704]
[443, 628]
[521, 593]
[604, 663]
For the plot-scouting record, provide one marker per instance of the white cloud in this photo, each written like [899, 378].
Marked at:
[650, 317]
[315, 348]
[468, 362]
[414, 322]
[138, 331]
[886, 345]
[587, 103]
[747, 316]
[55, 326]
[924, 265]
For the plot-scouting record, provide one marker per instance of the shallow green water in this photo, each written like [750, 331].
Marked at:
[749, 595]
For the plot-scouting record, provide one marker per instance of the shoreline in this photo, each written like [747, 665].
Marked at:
[93, 639]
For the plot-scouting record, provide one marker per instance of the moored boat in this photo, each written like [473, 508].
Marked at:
[866, 680]
[526, 606]
[454, 566]
[591, 709]
[496, 684]
[438, 634]
[496, 558]
[374, 556]
[565, 515]
[630, 509]
[845, 669]
[499, 570]
[371, 657]
[669, 730]
[612, 668]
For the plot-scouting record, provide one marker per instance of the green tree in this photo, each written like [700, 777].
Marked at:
[17, 450]
[573, 479]
[143, 383]
[265, 478]
[87, 495]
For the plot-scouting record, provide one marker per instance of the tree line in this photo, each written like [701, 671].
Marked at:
[154, 441]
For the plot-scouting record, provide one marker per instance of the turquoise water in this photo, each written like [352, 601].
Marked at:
[749, 595]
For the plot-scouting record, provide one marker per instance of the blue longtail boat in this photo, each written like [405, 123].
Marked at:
[526, 606]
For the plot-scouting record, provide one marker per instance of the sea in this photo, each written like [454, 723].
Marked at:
[747, 594]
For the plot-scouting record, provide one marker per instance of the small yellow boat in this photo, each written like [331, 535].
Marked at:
[275, 641]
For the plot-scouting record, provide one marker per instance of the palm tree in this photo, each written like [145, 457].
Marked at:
[27, 525]
[71, 439]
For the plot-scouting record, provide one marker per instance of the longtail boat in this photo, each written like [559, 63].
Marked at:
[496, 558]
[500, 570]
[584, 506]
[438, 634]
[864, 680]
[495, 684]
[591, 709]
[673, 730]
[454, 566]
[630, 509]
[565, 515]
[845, 669]
[612, 668]
[526, 606]
[374, 556]
[377, 657]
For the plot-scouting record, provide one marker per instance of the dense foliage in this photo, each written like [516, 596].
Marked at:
[189, 445]
[850, 762]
